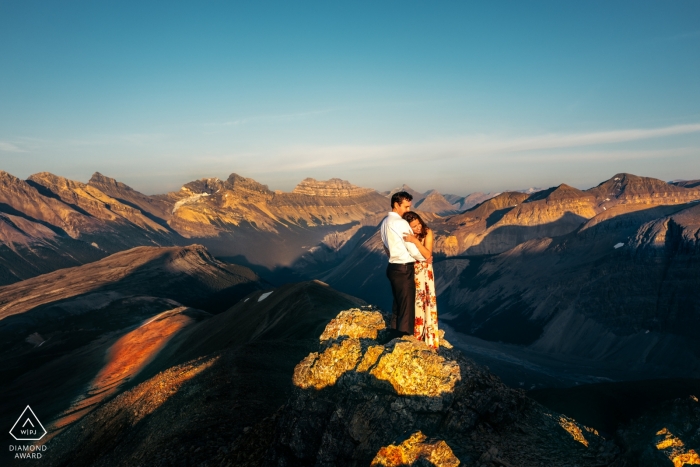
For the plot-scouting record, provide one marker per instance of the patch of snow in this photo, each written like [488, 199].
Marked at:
[264, 296]
[604, 208]
[619, 245]
[245, 300]
[607, 199]
[189, 199]
[95, 245]
[617, 178]
[647, 332]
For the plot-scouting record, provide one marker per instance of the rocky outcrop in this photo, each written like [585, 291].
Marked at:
[334, 187]
[416, 450]
[359, 401]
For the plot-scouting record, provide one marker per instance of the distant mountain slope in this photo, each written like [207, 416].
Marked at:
[624, 287]
[210, 207]
[157, 208]
[435, 202]
[462, 203]
[244, 221]
[58, 331]
[687, 183]
[49, 222]
[512, 218]
[417, 196]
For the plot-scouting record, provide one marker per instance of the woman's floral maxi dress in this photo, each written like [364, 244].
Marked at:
[426, 328]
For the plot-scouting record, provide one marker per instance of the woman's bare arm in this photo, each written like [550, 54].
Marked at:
[424, 250]
[429, 242]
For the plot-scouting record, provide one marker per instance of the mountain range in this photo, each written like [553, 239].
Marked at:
[605, 277]
[614, 264]
[163, 324]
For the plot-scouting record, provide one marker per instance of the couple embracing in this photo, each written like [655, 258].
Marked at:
[409, 244]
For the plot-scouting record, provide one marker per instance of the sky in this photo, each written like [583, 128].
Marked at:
[454, 96]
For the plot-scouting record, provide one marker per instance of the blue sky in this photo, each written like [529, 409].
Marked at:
[457, 96]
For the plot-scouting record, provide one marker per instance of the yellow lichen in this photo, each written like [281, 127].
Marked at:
[412, 368]
[573, 429]
[414, 448]
[370, 358]
[322, 370]
[674, 449]
[688, 458]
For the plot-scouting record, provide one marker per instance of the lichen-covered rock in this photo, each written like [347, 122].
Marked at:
[416, 451]
[355, 323]
[321, 370]
[359, 401]
[415, 370]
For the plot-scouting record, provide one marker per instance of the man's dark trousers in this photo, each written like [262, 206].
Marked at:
[403, 287]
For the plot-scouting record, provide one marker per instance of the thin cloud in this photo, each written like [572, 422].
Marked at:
[9, 147]
[476, 146]
[681, 36]
[270, 118]
[136, 139]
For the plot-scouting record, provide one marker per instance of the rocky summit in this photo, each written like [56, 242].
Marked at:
[361, 400]
[332, 187]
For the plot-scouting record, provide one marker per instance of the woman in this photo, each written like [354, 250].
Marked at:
[425, 328]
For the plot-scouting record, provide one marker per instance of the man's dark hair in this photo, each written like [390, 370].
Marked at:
[399, 197]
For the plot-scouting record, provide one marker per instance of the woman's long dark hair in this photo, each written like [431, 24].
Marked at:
[411, 216]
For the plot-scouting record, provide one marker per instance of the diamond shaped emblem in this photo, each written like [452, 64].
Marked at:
[28, 427]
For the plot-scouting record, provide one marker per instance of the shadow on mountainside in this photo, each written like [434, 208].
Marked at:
[7, 209]
[240, 375]
[505, 237]
[44, 191]
[635, 305]
[265, 251]
[607, 406]
[73, 333]
[222, 409]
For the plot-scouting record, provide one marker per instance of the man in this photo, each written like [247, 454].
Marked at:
[400, 271]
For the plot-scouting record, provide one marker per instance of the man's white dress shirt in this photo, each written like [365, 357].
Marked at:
[393, 229]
